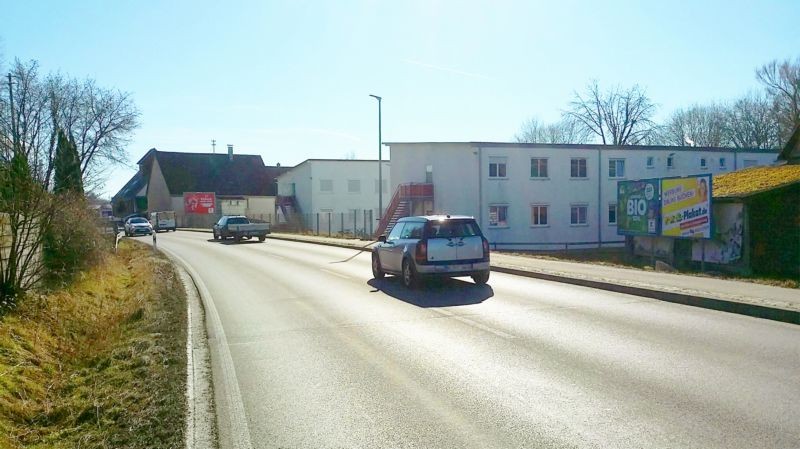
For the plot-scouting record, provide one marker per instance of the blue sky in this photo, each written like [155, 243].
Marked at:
[290, 79]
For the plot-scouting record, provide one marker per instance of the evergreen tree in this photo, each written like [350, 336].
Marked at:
[67, 176]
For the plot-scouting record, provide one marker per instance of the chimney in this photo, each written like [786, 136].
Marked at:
[230, 152]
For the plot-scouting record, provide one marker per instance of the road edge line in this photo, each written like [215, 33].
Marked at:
[239, 429]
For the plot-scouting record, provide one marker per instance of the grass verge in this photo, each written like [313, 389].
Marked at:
[617, 257]
[99, 364]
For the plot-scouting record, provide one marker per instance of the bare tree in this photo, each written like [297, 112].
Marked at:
[750, 123]
[100, 120]
[782, 82]
[698, 125]
[617, 116]
[565, 130]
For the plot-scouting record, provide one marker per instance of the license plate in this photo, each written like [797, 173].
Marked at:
[454, 268]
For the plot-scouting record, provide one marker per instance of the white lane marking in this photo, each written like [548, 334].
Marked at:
[239, 431]
[334, 273]
[275, 256]
[475, 324]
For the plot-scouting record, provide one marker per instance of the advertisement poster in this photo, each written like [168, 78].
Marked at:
[638, 207]
[686, 207]
[199, 202]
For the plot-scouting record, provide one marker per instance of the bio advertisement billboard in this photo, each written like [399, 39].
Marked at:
[686, 207]
[199, 202]
[638, 207]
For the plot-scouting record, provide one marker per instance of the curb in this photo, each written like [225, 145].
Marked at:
[705, 302]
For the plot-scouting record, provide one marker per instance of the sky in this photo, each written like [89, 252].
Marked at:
[290, 80]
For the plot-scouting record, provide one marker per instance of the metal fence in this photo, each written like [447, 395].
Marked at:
[356, 223]
[555, 246]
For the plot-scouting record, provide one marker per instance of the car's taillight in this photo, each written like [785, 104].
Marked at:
[422, 252]
[485, 248]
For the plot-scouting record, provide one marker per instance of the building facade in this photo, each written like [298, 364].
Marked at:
[549, 196]
[341, 194]
[241, 184]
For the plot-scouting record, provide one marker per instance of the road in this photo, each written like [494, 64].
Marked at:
[312, 352]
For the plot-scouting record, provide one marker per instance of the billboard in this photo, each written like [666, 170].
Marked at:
[639, 207]
[686, 207]
[199, 202]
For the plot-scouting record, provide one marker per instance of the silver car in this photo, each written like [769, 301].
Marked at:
[437, 245]
[138, 226]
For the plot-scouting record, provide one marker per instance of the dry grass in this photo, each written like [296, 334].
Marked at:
[617, 257]
[100, 364]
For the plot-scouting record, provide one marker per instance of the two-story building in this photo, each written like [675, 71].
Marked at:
[333, 195]
[544, 196]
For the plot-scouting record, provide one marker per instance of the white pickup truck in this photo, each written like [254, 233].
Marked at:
[239, 227]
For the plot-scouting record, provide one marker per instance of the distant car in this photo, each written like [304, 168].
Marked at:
[438, 245]
[239, 227]
[138, 226]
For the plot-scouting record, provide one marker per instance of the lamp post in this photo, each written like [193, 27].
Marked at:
[380, 161]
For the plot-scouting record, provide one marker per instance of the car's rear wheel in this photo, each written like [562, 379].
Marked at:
[481, 278]
[410, 278]
[377, 271]
[261, 238]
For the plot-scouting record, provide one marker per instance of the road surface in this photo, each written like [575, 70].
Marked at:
[312, 352]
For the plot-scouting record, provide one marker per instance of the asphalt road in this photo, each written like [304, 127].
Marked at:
[311, 352]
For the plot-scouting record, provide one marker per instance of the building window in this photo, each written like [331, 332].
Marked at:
[538, 215]
[577, 168]
[612, 213]
[722, 163]
[704, 163]
[326, 185]
[671, 161]
[651, 162]
[498, 216]
[538, 167]
[385, 185]
[616, 168]
[577, 215]
[353, 186]
[750, 163]
[497, 167]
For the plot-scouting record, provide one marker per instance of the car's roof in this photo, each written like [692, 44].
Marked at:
[437, 218]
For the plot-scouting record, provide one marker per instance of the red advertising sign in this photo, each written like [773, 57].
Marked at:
[199, 202]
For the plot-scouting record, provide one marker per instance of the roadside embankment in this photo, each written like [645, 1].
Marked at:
[101, 363]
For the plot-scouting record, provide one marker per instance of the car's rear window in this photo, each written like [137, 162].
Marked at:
[453, 228]
[237, 220]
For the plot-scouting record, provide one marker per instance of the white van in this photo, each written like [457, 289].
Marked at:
[163, 221]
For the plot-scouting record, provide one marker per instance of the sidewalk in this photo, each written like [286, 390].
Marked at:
[763, 301]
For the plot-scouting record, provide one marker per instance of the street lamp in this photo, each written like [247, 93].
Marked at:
[380, 160]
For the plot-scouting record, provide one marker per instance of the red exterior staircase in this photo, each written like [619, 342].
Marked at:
[402, 204]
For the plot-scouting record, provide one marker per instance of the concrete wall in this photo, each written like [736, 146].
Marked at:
[454, 168]
[462, 184]
[261, 206]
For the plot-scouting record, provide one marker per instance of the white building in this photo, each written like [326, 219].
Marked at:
[341, 194]
[545, 196]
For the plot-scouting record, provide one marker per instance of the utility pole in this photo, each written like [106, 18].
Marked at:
[214, 146]
[380, 161]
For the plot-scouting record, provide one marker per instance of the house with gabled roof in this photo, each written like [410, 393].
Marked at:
[241, 183]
